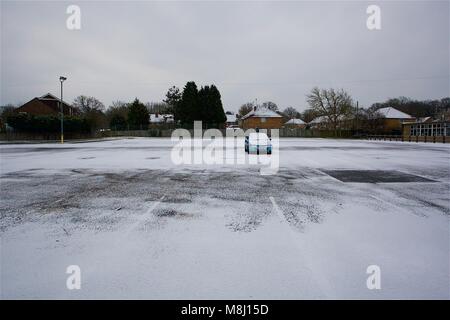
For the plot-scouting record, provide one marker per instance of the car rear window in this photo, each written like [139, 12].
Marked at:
[258, 138]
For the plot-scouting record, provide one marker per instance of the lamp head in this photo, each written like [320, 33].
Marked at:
[61, 78]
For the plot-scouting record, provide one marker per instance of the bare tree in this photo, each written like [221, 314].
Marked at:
[88, 104]
[291, 113]
[92, 110]
[118, 104]
[270, 105]
[308, 115]
[159, 107]
[117, 108]
[372, 120]
[245, 108]
[333, 104]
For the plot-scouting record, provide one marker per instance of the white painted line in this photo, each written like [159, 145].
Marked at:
[315, 269]
[142, 217]
[279, 212]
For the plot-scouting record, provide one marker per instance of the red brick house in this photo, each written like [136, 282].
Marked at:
[47, 104]
[261, 118]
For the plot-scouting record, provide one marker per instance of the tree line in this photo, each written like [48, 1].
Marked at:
[335, 106]
[197, 105]
[338, 110]
[187, 106]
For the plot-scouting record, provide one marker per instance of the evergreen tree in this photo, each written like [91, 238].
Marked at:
[206, 106]
[173, 97]
[118, 122]
[138, 116]
[188, 109]
[219, 118]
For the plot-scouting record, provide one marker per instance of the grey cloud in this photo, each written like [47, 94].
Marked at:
[267, 50]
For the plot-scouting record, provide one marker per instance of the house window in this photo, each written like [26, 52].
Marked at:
[263, 119]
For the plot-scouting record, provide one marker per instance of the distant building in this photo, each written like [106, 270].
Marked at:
[262, 118]
[156, 118]
[426, 129]
[47, 104]
[295, 123]
[393, 120]
[231, 120]
[321, 122]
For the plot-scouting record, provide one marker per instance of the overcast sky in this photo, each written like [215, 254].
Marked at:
[273, 51]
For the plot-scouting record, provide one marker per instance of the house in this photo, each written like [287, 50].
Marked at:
[47, 104]
[319, 123]
[295, 123]
[156, 118]
[231, 120]
[393, 120]
[262, 118]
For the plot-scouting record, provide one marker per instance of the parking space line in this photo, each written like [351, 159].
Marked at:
[318, 277]
[142, 217]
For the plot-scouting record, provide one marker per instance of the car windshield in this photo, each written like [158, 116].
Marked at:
[258, 138]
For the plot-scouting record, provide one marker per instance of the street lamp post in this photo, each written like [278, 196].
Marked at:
[62, 79]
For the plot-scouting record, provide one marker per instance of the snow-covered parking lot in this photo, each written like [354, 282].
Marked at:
[139, 226]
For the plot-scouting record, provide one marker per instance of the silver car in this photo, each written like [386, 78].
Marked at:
[258, 142]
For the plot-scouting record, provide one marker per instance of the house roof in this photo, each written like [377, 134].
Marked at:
[51, 97]
[231, 117]
[319, 119]
[261, 112]
[157, 118]
[46, 103]
[326, 119]
[295, 121]
[392, 113]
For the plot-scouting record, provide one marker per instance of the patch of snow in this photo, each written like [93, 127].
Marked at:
[261, 112]
[295, 121]
[392, 113]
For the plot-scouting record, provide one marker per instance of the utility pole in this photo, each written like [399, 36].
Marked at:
[357, 112]
[61, 80]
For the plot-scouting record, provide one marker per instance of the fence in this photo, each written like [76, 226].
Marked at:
[315, 133]
[162, 132]
[429, 139]
[28, 136]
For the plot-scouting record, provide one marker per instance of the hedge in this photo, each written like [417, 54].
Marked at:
[30, 123]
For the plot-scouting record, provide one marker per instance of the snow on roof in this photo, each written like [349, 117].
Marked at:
[48, 96]
[261, 112]
[157, 118]
[326, 119]
[231, 118]
[319, 119]
[295, 121]
[392, 113]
